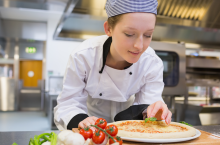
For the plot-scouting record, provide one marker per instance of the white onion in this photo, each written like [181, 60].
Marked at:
[46, 143]
[68, 137]
[87, 142]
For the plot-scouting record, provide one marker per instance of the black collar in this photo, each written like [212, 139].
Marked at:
[106, 49]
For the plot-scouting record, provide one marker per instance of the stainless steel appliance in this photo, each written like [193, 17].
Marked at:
[8, 100]
[173, 57]
[202, 71]
[31, 98]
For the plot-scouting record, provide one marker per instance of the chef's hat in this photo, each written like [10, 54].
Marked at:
[117, 7]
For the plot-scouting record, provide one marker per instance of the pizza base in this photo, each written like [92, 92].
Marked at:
[172, 135]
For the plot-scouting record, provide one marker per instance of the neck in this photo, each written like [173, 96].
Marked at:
[114, 60]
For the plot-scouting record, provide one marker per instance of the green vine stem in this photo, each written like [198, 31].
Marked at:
[103, 131]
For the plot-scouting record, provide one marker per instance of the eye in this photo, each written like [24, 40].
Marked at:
[147, 36]
[128, 35]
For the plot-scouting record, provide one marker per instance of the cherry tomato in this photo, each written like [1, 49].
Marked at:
[98, 137]
[86, 133]
[112, 130]
[101, 123]
[116, 139]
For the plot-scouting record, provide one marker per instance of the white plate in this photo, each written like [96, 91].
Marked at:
[198, 133]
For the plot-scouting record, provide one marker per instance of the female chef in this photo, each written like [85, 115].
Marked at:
[105, 71]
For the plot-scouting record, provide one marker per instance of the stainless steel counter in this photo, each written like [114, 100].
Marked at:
[214, 129]
[22, 138]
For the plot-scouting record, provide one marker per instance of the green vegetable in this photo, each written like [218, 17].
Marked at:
[43, 141]
[150, 119]
[53, 138]
[40, 139]
[36, 141]
[44, 136]
[183, 122]
[31, 142]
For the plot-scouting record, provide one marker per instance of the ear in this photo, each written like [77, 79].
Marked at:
[108, 30]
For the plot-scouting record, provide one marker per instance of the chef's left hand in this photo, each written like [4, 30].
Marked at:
[160, 111]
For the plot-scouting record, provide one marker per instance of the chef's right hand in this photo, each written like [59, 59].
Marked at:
[87, 122]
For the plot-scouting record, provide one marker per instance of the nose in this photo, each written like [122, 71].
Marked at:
[139, 43]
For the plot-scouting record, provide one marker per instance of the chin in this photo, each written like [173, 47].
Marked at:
[132, 60]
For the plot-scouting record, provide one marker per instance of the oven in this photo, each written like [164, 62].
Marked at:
[174, 61]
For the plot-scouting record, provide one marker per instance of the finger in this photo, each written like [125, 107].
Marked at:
[159, 114]
[94, 118]
[156, 108]
[149, 110]
[168, 119]
[91, 121]
[165, 112]
[87, 123]
[81, 125]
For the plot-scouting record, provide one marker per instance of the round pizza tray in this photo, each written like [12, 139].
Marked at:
[198, 133]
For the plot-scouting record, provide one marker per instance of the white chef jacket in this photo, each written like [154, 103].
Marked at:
[105, 94]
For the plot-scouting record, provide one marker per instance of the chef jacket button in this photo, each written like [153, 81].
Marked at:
[130, 73]
[100, 94]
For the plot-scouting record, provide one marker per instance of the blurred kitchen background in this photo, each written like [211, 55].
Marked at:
[37, 37]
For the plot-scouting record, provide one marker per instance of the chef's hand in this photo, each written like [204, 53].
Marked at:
[87, 122]
[160, 111]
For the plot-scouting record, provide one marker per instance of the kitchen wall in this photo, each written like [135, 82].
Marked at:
[57, 51]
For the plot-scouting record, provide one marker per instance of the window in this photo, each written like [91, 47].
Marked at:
[171, 67]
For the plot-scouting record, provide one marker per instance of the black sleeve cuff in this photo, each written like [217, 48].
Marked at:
[76, 120]
[132, 113]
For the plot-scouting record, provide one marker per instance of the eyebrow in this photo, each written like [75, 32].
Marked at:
[135, 29]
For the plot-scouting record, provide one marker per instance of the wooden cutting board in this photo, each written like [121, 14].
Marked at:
[206, 138]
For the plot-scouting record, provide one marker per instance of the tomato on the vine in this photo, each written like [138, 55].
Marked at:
[101, 123]
[98, 137]
[86, 133]
[116, 139]
[112, 130]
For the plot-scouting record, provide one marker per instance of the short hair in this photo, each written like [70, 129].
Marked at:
[112, 21]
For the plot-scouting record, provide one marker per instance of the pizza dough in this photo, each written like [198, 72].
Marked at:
[153, 130]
